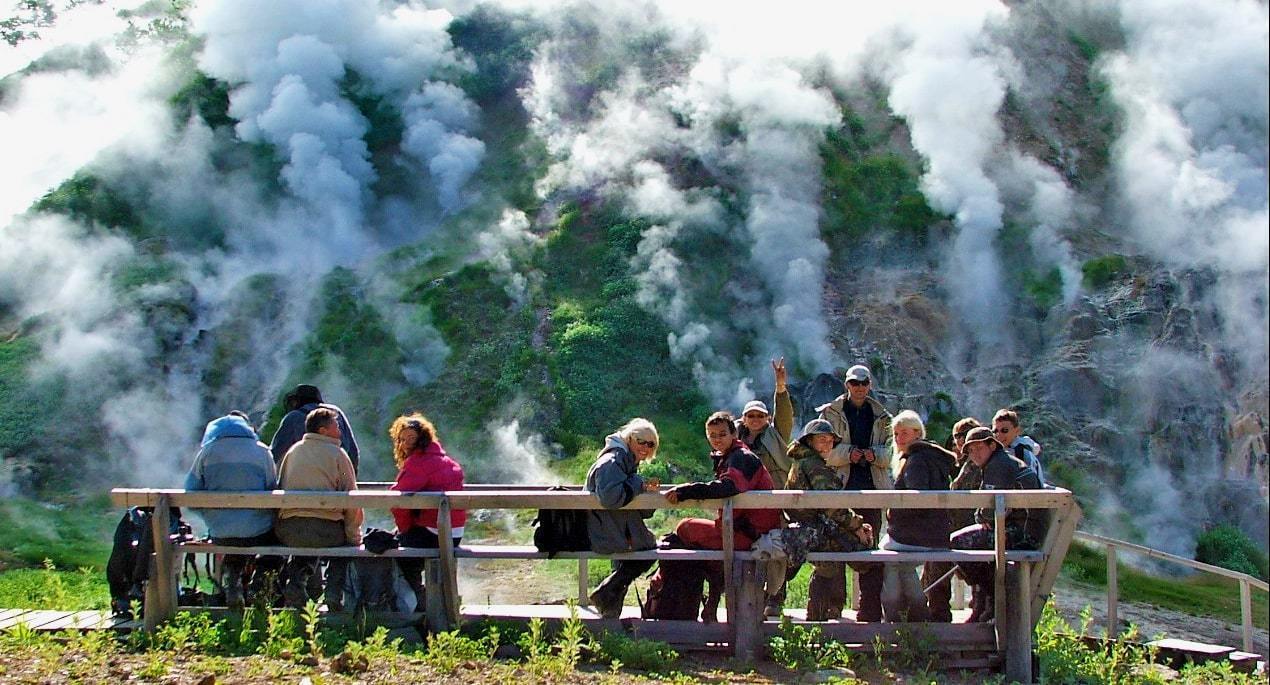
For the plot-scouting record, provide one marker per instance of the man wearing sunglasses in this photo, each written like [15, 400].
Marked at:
[1007, 431]
[864, 460]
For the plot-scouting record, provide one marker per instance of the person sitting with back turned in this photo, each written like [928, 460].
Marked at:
[768, 438]
[614, 480]
[232, 458]
[423, 466]
[298, 403]
[317, 462]
[1024, 528]
[736, 470]
[923, 466]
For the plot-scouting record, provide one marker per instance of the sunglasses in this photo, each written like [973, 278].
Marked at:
[645, 443]
[755, 415]
[857, 384]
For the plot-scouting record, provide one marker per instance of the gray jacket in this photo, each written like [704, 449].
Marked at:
[615, 483]
[879, 439]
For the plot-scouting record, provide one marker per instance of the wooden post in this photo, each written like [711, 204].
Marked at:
[729, 545]
[958, 592]
[160, 597]
[998, 583]
[1055, 550]
[1018, 624]
[434, 592]
[449, 566]
[1245, 610]
[584, 582]
[746, 615]
[1113, 595]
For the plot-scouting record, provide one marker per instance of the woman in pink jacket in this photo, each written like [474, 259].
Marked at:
[423, 466]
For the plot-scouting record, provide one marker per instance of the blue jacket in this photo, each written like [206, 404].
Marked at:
[292, 429]
[231, 458]
[614, 481]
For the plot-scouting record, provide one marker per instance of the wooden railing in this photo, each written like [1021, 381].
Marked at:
[1023, 579]
[1246, 582]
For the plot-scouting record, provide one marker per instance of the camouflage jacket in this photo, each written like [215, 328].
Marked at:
[810, 472]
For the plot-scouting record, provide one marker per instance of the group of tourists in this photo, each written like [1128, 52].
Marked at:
[854, 444]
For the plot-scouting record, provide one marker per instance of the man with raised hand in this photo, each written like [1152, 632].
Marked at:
[768, 439]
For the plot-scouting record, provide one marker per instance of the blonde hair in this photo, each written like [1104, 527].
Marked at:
[908, 419]
[416, 422]
[640, 428]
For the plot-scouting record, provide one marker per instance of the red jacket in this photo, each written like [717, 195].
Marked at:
[737, 471]
[428, 470]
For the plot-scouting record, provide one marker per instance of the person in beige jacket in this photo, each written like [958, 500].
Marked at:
[317, 462]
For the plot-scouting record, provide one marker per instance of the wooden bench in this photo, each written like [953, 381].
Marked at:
[1023, 578]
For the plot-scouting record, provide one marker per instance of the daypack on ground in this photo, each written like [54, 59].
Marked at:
[561, 530]
[675, 592]
[129, 565]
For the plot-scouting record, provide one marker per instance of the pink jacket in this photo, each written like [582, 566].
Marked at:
[428, 470]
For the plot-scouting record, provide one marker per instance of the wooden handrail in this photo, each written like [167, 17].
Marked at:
[1113, 591]
[514, 499]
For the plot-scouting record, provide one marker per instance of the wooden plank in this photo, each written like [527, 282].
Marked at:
[160, 598]
[584, 583]
[1113, 594]
[945, 636]
[1018, 624]
[729, 558]
[6, 613]
[745, 614]
[434, 597]
[39, 618]
[65, 621]
[277, 550]
[507, 498]
[1245, 608]
[998, 546]
[449, 566]
[1048, 575]
[690, 633]
[960, 555]
[14, 617]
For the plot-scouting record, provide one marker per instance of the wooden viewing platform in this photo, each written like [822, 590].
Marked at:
[1023, 578]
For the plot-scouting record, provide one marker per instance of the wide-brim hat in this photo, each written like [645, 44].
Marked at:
[979, 434]
[818, 427]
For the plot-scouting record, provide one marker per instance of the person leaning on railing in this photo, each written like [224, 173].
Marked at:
[614, 480]
[1024, 528]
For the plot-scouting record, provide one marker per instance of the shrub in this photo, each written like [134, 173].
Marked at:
[1226, 546]
[637, 653]
[806, 647]
[1100, 271]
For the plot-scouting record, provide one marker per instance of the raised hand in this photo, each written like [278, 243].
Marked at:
[778, 369]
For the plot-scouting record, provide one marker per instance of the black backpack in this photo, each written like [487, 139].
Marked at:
[129, 564]
[561, 530]
[675, 592]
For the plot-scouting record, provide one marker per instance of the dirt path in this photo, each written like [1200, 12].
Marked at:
[1152, 621]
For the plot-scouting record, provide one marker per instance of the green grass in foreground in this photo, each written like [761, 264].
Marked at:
[71, 534]
[32, 588]
[1202, 594]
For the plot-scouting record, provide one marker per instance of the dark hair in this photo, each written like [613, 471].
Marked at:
[724, 417]
[302, 395]
[240, 414]
[319, 418]
[1007, 415]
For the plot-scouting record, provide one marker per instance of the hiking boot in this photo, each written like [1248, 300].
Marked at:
[606, 602]
[234, 596]
[294, 596]
[774, 607]
[710, 609]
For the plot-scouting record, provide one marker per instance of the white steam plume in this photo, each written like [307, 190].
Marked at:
[506, 242]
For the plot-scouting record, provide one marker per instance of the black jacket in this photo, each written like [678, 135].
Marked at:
[925, 466]
[1005, 472]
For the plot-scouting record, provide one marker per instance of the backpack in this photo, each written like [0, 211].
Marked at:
[377, 585]
[675, 592]
[561, 530]
[129, 564]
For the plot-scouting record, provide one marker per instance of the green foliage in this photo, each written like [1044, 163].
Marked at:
[25, 404]
[205, 96]
[867, 192]
[72, 533]
[636, 653]
[1227, 546]
[282, 635]
[449, 650]
[1044, 288]
[49, 588]
[88, 199]
[1100, 271]
[806, 648]
[1065, 658]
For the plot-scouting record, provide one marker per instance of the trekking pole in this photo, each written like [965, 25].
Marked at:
[942, 578]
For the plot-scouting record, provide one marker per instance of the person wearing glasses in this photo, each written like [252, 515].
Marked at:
[736, 470]
[422, 466]
[768, 439]
[614, 480]
[863, 426]
[1007, 431]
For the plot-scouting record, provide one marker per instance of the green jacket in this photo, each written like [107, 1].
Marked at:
[773, 443]
[810, 472]
[879, 440]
